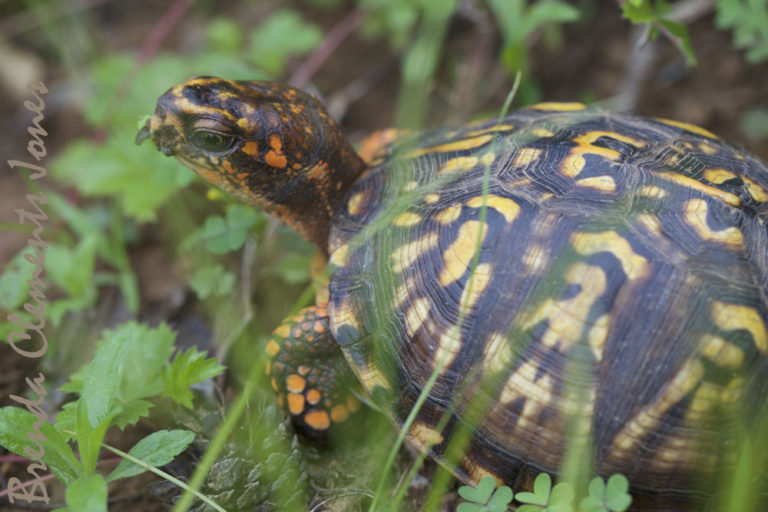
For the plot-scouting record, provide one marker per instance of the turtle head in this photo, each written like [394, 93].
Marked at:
[266, 143]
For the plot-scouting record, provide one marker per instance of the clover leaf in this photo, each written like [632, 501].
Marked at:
[483, 498]
[607, 498]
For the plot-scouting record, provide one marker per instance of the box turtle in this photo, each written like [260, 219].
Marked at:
[561, 277]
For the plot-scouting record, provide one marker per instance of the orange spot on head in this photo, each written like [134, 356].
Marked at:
[276, 143]
[228, 167]
[296, 332]
[321, 311]
[318, 420]
[339, 413]
[251, 148]
[303, 369]
[274, 159]
[313, 396]
[295, 383]
[295, 404]
[274, 384]
[319, 327]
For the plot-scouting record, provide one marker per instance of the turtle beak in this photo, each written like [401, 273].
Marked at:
[144, 133]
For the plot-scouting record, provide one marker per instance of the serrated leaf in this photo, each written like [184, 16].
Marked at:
[87, 494]
[103, 377]
[130, 413]
[157, 449]
[16, 424]
[139, 177]
[188, 368]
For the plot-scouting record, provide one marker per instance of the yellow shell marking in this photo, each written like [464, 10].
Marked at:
[457, 145]
[566, 318]
[431, 198]
[653, 192]
[416, 315]
[407, 219]
[730, 317]
[691, 183]
[718, 176]
[404, 256]
[340, 256]
[272, 348]
[721, 352]
[423, 436]
[507, 207]
[598, 335]
[478, 282]
[696, 217]
[541, 132]
[492, 129]
[371, 378]
[343, 314]
[558, 106]
[497, 353]
[460, 163]
[574, 163]
[458, 256]
[449, 214]
[600, 183]
[448, 347]
[536, 257]
[537, 393]
[688, 127]
[634, 265]
[354, 206]
[686, 379]
[526, 156]
[651, 223]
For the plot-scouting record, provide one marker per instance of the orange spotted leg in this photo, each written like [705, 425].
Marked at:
[307, 369]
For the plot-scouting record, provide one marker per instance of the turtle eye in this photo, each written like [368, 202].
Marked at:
[212, 141]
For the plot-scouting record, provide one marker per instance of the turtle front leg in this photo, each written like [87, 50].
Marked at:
[307, 369]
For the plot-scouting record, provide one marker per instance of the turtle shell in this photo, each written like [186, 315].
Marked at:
[570, 279]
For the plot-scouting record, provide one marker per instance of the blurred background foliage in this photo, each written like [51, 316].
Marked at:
[133, 235]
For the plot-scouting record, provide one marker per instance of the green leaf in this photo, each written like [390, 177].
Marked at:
[561, 499]
[130, 413]
[87, 494]
[640, 11]
[617, 493]
[157, 449]
[103, 377]
[139, 177]
[72, 268]
[479, 494]
[294, 267]
[223, 234]
[212, 280]
[749, 22]
[541, 489]
[500, 499]
[224, 34]
[680, 39]
[89, 437]
[15, 426]
[469, 507]
[188, 368]
[14, 281]
[282, 35]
